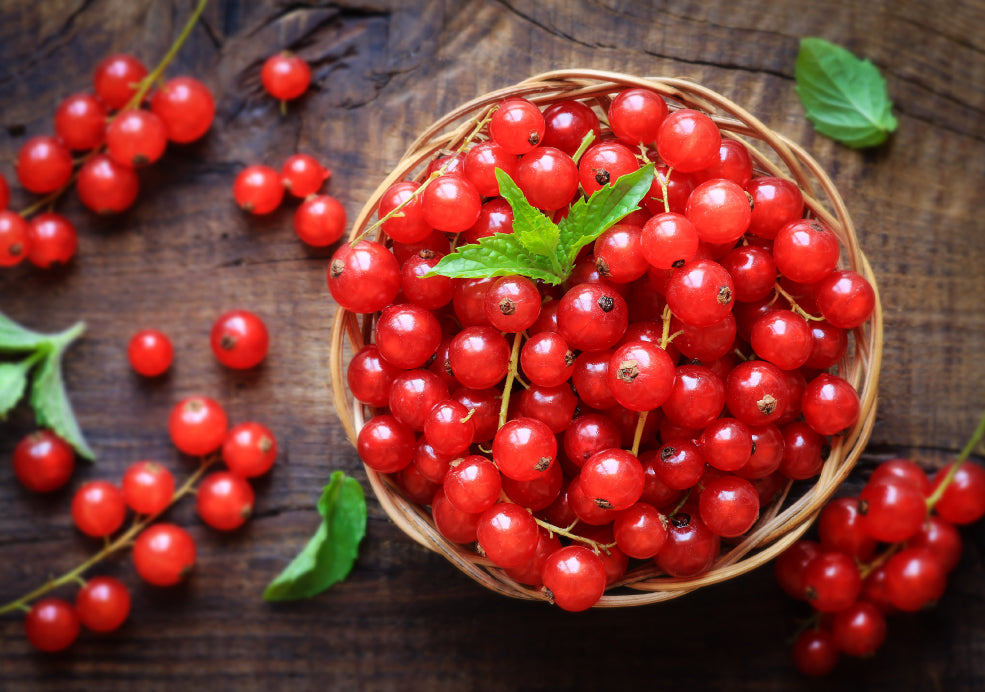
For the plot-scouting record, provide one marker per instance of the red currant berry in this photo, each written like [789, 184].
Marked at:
[512, 303]
[539, 493]
[507, 534]
[449, 429]
[668, 240]
[136, 137]
[902, 471]
[451, 204]
[640, 375]
[815, 652]
[51, 624]
[618, 254]
[697, 397]
[592, 317]
[942, 538]
[753, 272]
[640, 531]
[719, 210]
[845, 299]
[832, 581]
[575, 578]
[224, 500]
[840, 527]
[43, 462]
[859, 630]
[548, 178]
[891, 511]
[756, 392]
[150, 352]
[700, 293]
[80, 122]
[678, 188]
[407, 225]
[589, 434]
[479, 357]
[105, 186]
[783, 338]
[517, 126]
[963, 500]
[148, 487]
[604, 163]
[567, 123]
[407, 335]
[320, 221]
[249, 449]
[239, 339]
[495, 216]
[801, 451]
[303, 175]
[364, 277]
[524, 448]
[429, 463]
[116, 78]
[473, 484]
[828, 345]
[546, 359]
[688, 140]
[481, 163]
[553, 406]
[51, 240]
[44, 165]
[726, 444]
[98, 508]
[385, 444]
[830, 404]
[197, 425]
[14, 239]
[775, 203]
[636, 115]
[163, 554]
[285, 76]
[690, 548]
[258, 189]
[729, 506]
[4, 193]
[186, 108]
[590, 379]
[453, 524]
[613, 479]
[806, 251]
[734, 164]
[103, 604]
[915, 578]
[529, 573]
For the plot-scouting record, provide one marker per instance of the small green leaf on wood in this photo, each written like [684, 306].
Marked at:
[52, 408]
[330, 553]
[13, 382]
[846, 98]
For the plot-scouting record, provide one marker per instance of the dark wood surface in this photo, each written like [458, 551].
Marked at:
[406, 619]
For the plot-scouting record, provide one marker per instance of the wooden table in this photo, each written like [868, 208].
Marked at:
[384, 69]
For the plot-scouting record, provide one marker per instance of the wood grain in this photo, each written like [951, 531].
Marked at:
[384, 70]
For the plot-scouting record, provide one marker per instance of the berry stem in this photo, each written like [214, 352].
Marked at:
[663, 189]
[122, 541]
[510, 376]
[595, 545]
[665, 336]
[637, 437]
[795, 307]
[973, 442]
[586, 142]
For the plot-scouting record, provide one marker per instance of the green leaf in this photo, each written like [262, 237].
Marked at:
[498, 255]
[330, 553]
[13, 382]
[589, 218]
[845, 98]
[14, 337]
[536, 233]
[52, 408]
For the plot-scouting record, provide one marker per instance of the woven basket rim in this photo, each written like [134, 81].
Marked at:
[782, 523]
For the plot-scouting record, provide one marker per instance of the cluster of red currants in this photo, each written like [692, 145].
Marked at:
[888, 550]
[163, 552]
[697, 334]
[319, 220]
[120, 130]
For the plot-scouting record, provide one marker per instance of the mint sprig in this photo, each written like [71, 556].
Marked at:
[43, 354]
[845, 98]
[330, 553]
[538, 248]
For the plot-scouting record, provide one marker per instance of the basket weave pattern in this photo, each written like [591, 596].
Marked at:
[783, 521]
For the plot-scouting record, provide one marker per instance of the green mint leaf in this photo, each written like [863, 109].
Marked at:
[14, 337]
[535, 232]
[13, 382]
[498, 255]
[845, 98]
[589, 218]
[330, 553]
[52, 408]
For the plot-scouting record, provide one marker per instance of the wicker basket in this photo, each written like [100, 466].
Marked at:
[787, 518]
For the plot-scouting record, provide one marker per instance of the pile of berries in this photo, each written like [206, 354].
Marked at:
[163, 552]
[669, 386]
[888, 550]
